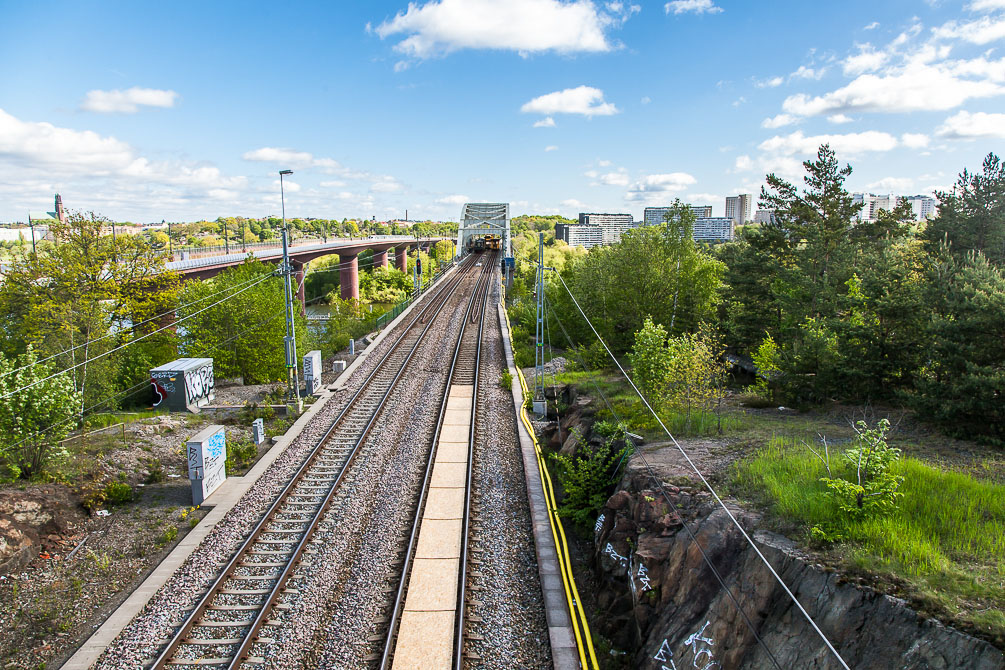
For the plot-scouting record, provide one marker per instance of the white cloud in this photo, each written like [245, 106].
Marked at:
[914, 140]
[840, 118]
[528, 26]
[584, 100]
[454, 200]
[657, 187]
[604, 163]
[573, 203]
[546, 122]
[850, 143]
[646, 100]
[866, 60]
[704, 198]
[280, 155]
[619, 178]
[128, 101]
[892, 185]
[968, 126]
[871, 26]
[551, 147]
[692, 6]
[981, 31]
[385, 184]
[986, 5]
[808, 73]
[917, 87]
[743, 163]
[288, 186]
[778, 121]
[774, 82]
[45, 145]
[335, 183]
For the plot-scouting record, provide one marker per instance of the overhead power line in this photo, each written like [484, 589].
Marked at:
[732, 518]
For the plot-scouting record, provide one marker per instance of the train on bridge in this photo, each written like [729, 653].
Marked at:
[480, 243]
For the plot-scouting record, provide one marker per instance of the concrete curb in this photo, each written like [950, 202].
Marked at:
[564, 654]
[221, 502]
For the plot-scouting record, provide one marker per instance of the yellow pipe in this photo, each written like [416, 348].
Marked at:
[580, 627]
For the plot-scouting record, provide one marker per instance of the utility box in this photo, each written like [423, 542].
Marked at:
[258, 431]
[184, 385]
[338, 367]
[312, 371]
[207, 462]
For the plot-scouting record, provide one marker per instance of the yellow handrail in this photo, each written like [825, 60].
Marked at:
[580, 627]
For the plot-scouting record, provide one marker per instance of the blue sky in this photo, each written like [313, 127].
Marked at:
[187, 110]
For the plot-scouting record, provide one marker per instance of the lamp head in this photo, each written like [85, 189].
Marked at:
[286, 172]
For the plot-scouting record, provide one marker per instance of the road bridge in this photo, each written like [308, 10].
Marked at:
[347, 250]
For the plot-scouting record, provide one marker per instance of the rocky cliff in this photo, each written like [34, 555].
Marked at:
[661, 598]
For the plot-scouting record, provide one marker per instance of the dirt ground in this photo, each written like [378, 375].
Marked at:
[69, 567]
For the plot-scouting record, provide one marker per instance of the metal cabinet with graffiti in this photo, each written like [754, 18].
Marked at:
[184, 385]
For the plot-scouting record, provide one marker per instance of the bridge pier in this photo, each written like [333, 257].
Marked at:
[299, 274]
[380, 259]
[348, 277]
[401, 258]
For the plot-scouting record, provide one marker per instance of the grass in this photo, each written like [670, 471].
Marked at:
[945, 542]
[105, 419]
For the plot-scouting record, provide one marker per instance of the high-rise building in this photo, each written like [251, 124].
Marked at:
[764, 216]
[582, 235]
[738, 208]
[655, 216]
[612, 225]
[872, 203]
[924, 206]
[714, 229]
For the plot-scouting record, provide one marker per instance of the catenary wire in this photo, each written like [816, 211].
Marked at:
[705, 481]
[666, 496]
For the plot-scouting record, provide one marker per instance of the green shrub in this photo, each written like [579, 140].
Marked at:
[168, 536]
[506, 382]
[586, 479]
[118, 493]
[155, 470]
[240, 454]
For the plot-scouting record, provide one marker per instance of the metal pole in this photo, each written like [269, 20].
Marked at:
[291, 340]
[32, 226]
[539, 403]
[226, 242]
[170, 246]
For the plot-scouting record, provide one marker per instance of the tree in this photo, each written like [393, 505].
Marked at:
[961, 385]
[35, 413]
[87, 295]
[972, 215]
[244, 334]
[653, 271]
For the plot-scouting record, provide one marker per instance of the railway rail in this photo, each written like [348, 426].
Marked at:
[230, 616]
[427, 616]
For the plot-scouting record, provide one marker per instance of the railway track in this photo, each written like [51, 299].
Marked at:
[230, 617]
[427, 615]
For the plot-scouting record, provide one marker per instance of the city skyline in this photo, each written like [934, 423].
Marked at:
[555, 107]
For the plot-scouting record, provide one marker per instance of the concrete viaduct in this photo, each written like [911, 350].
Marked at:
[347, 250]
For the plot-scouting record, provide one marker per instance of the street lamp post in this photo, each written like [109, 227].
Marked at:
[292, 377]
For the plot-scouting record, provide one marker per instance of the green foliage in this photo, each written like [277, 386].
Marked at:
[506, 380]
[594, 356]
[586, 479]
[35, 414]
[685, 371]
[168, 536]
[873, 489]
[961, 385]
[243, 334]
[972, 215]
[240, 454]
[118, 493]
[767, 360]
[945, 537]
